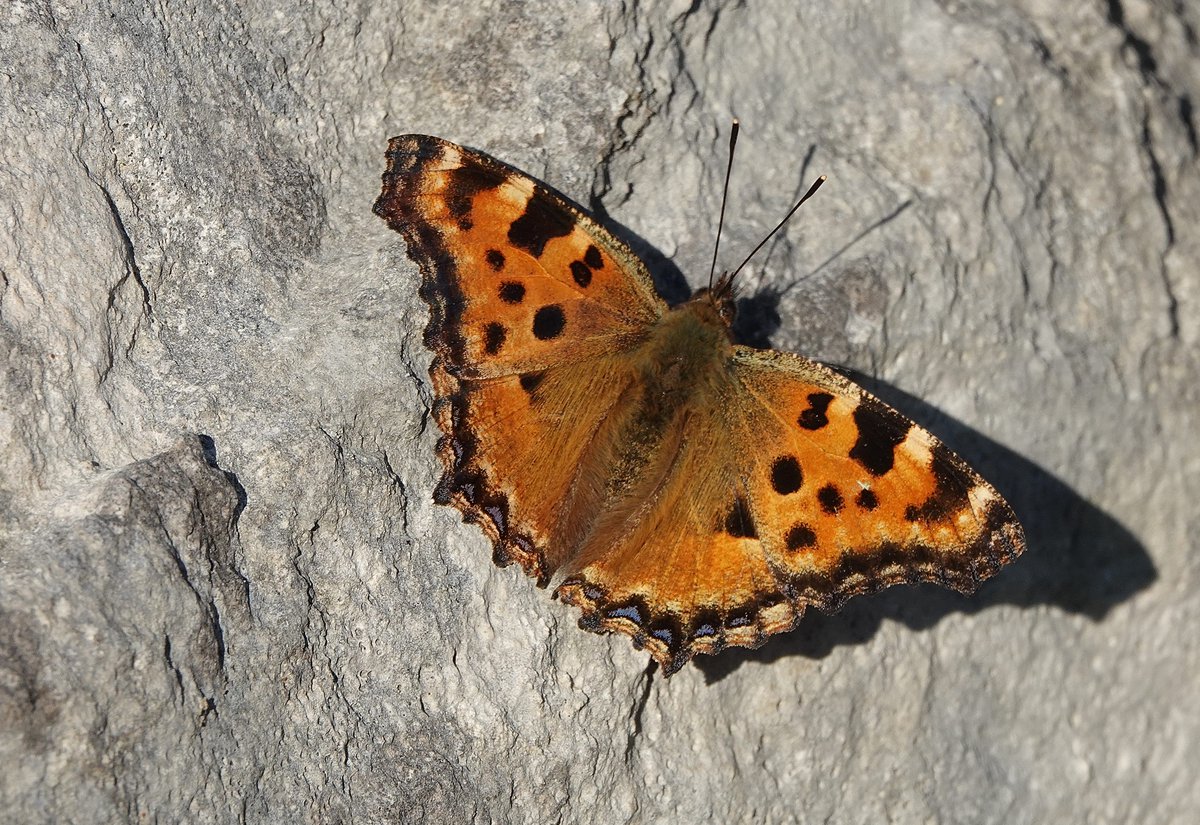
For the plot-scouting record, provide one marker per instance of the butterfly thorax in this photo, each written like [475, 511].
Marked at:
[686, 350]
[681, 368]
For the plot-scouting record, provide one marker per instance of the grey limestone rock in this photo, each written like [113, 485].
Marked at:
[225, 592]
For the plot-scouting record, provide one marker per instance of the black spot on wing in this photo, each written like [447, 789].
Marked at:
[816, 415]
[512, 292]
[830, 499]
[493, 337]
[495, 259]
[541, 222]
[581, 273]
[880, 430]
[592, 257]
[786, 477]
[738, 523]
[867, 499]
[799, 537]
[530, 380]
[548, 322]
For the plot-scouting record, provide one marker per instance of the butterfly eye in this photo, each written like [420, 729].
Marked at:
[727, 309]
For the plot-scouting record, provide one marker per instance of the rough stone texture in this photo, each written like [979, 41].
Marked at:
[225, 592]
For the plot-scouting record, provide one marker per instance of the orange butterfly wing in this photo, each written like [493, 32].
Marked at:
[881, 500]
[532, 306]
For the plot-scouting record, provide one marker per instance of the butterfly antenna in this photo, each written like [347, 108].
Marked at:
[811, 191]
[733, 133]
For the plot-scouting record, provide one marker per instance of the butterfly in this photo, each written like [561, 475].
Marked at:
[687, 491]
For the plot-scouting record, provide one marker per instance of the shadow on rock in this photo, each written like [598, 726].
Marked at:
[209, 448]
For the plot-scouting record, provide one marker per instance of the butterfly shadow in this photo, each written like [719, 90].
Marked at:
[1079, 558]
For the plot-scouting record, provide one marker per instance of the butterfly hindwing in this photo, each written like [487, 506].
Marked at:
[681, 568]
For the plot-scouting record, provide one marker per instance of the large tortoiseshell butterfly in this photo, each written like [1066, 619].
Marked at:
[679, 488]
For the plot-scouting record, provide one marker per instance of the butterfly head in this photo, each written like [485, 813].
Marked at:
[718, 301]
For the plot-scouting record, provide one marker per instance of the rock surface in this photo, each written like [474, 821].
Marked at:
[225, 593]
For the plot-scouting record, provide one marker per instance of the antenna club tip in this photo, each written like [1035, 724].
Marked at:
[823, 178]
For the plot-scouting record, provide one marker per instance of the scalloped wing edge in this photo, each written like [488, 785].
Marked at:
[662, 635]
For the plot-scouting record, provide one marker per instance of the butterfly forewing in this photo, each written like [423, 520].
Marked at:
[852, 496]
[512, 270]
